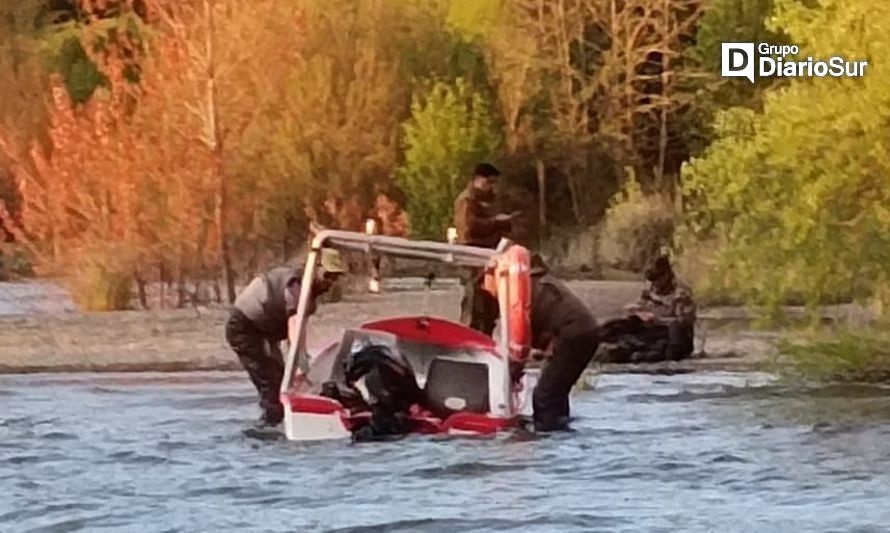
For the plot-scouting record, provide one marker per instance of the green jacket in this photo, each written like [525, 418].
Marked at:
[676, 304]
[271, 299]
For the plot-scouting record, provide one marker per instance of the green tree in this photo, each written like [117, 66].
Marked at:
[726, 21]
[450, 129]
[797, 196]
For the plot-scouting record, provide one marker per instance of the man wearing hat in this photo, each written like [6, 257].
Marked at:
[478, 224]
[258, 322]
[564, 329]
[661, 325]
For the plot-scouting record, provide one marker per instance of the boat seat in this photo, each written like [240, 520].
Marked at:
[456, 386]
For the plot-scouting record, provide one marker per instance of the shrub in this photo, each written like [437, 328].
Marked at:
[573, 251]
[14, 263]
[845, 354]
[797, 195]
[101, 279]
[635, 228]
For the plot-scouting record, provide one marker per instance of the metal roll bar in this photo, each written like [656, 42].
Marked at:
[457, 254]
[453, 254]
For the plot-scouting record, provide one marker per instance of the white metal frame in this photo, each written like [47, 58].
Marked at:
[455, 254]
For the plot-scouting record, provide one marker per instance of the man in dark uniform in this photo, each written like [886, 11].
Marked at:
[478, 224]
[564, 327]
[661, 325]
[259, 321]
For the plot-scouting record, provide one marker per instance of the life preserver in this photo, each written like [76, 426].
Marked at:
[515, 264]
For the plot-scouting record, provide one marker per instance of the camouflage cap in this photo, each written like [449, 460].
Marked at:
[332, 262]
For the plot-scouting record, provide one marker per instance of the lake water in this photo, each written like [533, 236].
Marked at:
[697, 452]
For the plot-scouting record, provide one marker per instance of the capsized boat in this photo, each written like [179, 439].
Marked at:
[462, 375]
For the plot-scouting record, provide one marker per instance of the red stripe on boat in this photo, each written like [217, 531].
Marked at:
[476, 423]
[312, 404]
[434, 331]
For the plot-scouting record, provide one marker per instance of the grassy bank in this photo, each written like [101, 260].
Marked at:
[842, 353]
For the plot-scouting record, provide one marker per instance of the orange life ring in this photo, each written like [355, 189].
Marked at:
[515, 264]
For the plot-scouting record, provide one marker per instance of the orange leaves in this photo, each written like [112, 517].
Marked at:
[115, 175]
[228, 134]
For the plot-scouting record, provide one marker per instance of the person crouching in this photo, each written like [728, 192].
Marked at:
[563, 326]
[259, 321]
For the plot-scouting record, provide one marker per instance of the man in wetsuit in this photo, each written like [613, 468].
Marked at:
[564, 328]
[259, 321]
[478, 224]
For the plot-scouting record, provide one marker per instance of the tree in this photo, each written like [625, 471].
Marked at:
[796, 196]
[89, 195]
[569, 47]
[137, 176]
[726, 21]
[514, 66]
[334, 132]
[643, 84]
[22, 81]
[236, 50]
[450, 130]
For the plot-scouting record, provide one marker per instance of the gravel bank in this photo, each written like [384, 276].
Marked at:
[48, 337]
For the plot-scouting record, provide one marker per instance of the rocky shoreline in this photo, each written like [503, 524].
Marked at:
[179, 340]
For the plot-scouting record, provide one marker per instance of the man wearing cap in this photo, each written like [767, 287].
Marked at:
[661, 325]
[260, 320]
[565, 331]
[478, 224]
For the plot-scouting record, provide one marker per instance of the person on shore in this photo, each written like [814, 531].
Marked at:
[478, 224]
[660, 326]
[564, 330]
[260, 320]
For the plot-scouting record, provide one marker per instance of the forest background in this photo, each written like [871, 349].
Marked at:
[188, 142]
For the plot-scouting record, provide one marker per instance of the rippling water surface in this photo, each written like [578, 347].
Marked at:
[718, 452]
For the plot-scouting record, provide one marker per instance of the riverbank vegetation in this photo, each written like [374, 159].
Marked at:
[795, 196]
[854, 354]
[147, 142]
[167, 141]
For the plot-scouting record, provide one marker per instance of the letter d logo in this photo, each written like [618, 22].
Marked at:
[737, 60]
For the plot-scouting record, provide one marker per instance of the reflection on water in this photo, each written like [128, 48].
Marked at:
[716, 452]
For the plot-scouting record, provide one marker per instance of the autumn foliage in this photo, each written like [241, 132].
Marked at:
[141, 184]
[189, 142]
[118, 192]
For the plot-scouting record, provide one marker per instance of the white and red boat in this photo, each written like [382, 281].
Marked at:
[464, 375]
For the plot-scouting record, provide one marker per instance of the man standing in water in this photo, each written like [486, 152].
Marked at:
[478, 224]
[564, 328]
[259, 321]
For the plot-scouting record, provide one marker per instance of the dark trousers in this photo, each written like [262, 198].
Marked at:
[263, 361]
[636, 341]
[550, 399]
[478, 309]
